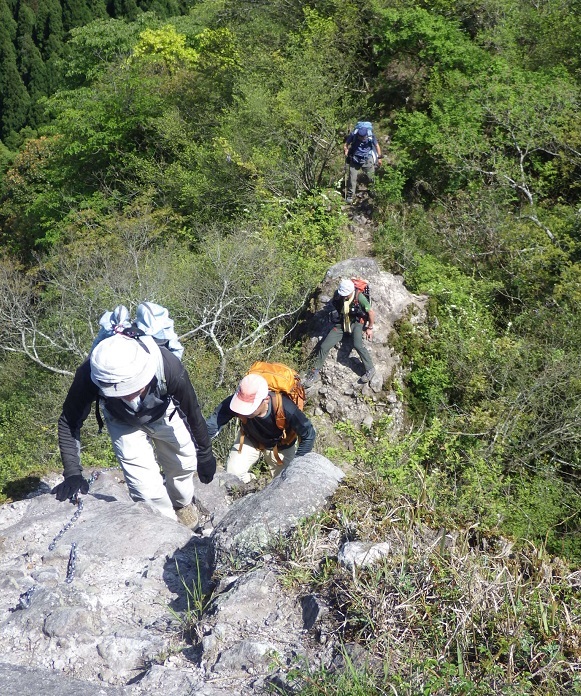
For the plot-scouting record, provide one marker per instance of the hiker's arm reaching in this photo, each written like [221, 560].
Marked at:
[377, 147]
[184, 396]
[297, 421]
[222, 414]
[347, 144]
[76, 408]
[370, 323]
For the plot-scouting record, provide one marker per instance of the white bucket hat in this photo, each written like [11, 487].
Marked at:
[121, 365]
[346, 287]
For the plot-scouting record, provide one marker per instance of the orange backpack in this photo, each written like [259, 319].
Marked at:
[281, 379]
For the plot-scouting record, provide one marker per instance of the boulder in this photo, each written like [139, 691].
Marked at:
[301, 490]
[339, 394]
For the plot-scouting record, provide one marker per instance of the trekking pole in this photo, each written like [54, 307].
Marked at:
[345, 181]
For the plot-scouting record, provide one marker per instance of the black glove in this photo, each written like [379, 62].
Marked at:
[70, 487]
[207, 468]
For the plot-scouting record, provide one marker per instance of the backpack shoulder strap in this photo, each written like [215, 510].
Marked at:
[154, 349]
[279, 412]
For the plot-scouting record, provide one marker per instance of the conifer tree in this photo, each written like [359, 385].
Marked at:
[127, 9]
[30, 64]
[14, 100]
[49, 29]
[75, 13]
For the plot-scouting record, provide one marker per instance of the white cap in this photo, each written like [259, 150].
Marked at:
[121, 365]
[346, 287]
[251, 392]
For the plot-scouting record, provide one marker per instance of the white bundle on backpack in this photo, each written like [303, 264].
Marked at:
[154, 320]
[111, 323]
[151, 318]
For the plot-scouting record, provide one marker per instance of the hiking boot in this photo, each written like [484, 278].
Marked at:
[368, 376]
[188, 516]
[349, 200]
[311, 378]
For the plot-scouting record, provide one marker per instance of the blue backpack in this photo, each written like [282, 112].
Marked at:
[373, 151]
[363, 124]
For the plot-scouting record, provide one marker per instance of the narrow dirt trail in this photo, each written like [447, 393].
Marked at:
[361, 224]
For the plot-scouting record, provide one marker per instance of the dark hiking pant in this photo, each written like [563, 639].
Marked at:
[367, 168]
[335, 336]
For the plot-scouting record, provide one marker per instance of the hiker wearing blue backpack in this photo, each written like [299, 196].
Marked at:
[151, 411]
[363, 155]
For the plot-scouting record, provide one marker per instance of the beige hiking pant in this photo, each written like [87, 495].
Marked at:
[142, 451]
[240, 461]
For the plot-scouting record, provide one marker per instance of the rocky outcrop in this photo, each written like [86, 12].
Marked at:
[339, 394]
[300, 491]
[112, 599]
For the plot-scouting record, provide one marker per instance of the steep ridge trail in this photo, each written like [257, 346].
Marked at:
[361, 224]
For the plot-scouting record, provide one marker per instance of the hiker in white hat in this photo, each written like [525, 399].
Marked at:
[154, 420]
[353, 317]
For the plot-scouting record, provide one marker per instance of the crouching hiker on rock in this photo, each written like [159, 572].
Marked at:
[353, 315]
[269, 423]
[154, 420]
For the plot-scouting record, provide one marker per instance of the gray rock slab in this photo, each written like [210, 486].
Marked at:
[113, 614]
[252, 624]
[300, 491]
[26, 681]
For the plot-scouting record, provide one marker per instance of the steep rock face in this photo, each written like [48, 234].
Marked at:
[91, 601]
[300, 491]
[339, 393]
[93, 604]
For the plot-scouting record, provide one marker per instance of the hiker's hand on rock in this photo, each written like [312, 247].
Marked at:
[70, 487]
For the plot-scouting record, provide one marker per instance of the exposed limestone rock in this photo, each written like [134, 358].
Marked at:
[339, 393]
[298, 492]
[111, 626]
[112, 617]
[25, 681]
[361, 554]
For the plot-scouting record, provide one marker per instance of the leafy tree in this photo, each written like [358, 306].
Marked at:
[167, 47]
[92, 49]
[286, 121]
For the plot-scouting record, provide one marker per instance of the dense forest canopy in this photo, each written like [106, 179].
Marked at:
[190, 153]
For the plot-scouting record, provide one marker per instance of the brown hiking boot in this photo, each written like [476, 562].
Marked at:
[188, 516]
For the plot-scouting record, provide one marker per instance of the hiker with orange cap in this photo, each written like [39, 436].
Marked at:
[253, 405]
